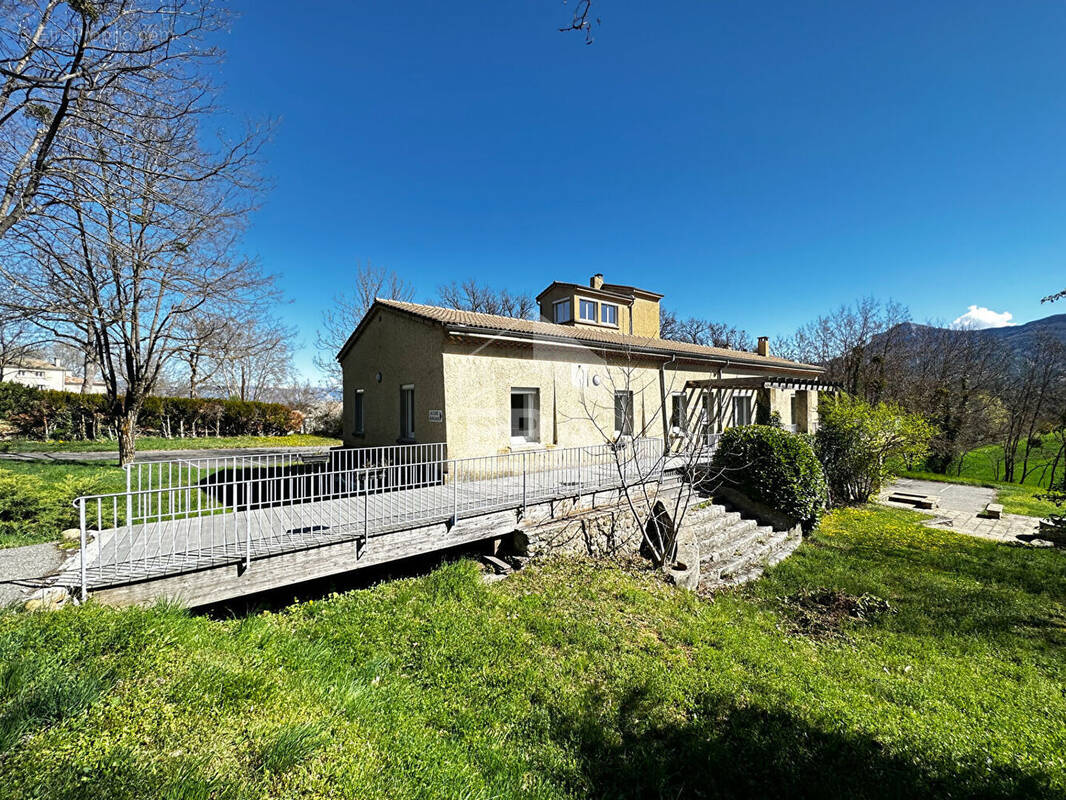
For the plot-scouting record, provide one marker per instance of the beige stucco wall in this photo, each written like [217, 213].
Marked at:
[404, 350]
[646, 318]
[576, 389]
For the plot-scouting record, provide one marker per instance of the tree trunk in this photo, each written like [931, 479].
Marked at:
[127, 438]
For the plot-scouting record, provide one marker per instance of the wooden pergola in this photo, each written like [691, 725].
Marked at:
[796, 384]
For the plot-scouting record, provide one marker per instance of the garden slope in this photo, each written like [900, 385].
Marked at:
[568, 680]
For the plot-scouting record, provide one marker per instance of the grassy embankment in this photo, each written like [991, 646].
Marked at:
[570, 680]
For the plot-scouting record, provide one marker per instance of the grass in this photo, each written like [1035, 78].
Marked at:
[160, 443]
[569, 680]
[985, 463]
[1016, 498]
[36, 497]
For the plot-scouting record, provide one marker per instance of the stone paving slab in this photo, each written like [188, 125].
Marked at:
[959, 509]
[22, 569]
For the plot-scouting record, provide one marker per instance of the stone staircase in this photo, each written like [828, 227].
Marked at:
[734, 549]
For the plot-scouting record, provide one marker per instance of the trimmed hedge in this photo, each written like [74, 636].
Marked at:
[45, 414]
[773, 467]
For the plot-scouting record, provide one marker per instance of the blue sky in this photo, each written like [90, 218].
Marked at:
[757, 163]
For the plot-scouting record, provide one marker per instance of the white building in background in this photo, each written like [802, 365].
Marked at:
[46, 375]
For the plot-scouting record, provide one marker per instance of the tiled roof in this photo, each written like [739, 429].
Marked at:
[32, 363]
[490, 323]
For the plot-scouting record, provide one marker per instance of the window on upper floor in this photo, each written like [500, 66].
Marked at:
[609, 314]
[562, 311]
[587, 311]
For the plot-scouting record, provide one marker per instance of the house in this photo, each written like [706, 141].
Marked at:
[47, 375]
[36, 373]
[593, 369]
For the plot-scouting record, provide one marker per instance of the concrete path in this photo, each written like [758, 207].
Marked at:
[23, 569]
[159, 455]
[959, 508]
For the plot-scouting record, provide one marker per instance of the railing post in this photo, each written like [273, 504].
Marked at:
[248, 523]
[129, 496]
[523, 485]
[84, 549]
[455, 497]
[366, 503]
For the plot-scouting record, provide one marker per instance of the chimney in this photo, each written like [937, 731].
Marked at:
[763, 348]
[596, 281]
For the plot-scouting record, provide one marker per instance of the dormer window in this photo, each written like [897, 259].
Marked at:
[609, 314]
[587, 311]
[562, 311]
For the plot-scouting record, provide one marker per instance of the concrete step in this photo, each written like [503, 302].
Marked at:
[740, 543]
[714, 539]
[708, 513]
[749, 565]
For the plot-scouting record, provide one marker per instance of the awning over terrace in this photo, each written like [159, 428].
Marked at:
[797, 384]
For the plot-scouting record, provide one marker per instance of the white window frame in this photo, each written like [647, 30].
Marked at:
[359, 412]
[741, 401]
[581, 310]
[532, 411]
[609, 309]
[569, 311]
[622, 431]
[407, 432]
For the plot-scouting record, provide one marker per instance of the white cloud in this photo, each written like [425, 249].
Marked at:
[978, 317]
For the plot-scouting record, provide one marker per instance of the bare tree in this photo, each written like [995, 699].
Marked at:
[854, 342]
[1032, 395]
[69, 66]
[953, 377]
[473, 296]
[80, 358]
[143, 239]
[255, 361]
[695, 330]
[17, 341]
[582, 20]
[643, 441]
[347, 310]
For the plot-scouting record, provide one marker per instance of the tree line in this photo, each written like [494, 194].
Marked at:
[47, 414]
[974, 388]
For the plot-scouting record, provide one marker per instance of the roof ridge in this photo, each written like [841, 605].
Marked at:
[479, 319]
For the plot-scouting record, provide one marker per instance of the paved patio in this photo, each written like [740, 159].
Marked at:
[959, 508]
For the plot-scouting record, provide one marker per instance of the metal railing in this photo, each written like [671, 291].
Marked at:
[201, 513]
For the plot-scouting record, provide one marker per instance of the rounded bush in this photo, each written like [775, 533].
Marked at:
[773, 467]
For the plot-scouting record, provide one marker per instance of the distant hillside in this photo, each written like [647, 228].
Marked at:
[1017, 337]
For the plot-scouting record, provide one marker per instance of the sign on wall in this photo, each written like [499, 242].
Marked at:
[436, 416]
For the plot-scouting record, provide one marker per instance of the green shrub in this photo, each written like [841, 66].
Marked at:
[857, 442]
[773, 467]
[31, 510]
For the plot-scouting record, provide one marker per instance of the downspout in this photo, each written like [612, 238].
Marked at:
[662, 397]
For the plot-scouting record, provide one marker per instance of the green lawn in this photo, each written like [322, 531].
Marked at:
[1016, 498]
[985, 464]
[36, 497]
[159, 443]
[570, 680]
